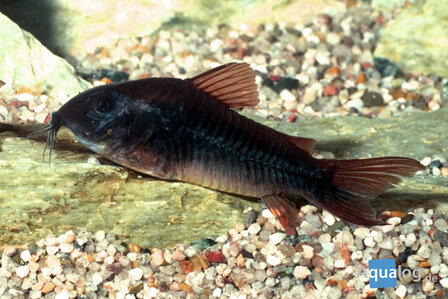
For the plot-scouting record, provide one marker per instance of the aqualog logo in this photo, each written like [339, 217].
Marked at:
[383, 274]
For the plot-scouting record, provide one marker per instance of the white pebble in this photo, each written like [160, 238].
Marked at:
[61, 295]
[301, 272]
[25, 97]
[66, 247]
[51, 241]
[424, 251]
[52, 250]
[217, 292]
[329, 219]
[308, 252]
[394, 221]
[333, 38]
[287, 96]
[444, 282]
[441, 224]
[22, 271]
[410, 239]
[273, 260]
[339, 263]
[277, 237]
[369, 242]
[97, 279]
[25, 255]
[93, 161]
[435, 171]
[401, 291]
[426, 161]
[267, 214]
[254, 228]
[136, 274]
[100, 235]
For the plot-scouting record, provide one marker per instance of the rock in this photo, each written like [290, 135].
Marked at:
[372, 99]
[425, 22]
[25, 62]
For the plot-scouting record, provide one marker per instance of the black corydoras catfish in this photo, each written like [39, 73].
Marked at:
[185, 130]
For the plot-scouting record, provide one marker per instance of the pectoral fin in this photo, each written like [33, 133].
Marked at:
[284, 211]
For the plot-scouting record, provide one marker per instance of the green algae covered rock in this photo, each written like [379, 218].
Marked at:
[417, 39]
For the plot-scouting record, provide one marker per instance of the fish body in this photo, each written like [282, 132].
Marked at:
[185, 130]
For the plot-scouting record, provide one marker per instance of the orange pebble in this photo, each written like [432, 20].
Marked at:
[185, 287]
[134, 248]
[48, 287]
[342, 284]
[361, 78]
[104, 53]
[106, 80]
[334, 70]
[25, 89]
[186, 266]
[397, 214]
[332, 282]
[424, 264]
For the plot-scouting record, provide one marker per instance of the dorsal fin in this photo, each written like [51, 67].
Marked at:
[307, 144]
[232, 84]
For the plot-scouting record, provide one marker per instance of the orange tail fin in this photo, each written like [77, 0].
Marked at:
[354, 182]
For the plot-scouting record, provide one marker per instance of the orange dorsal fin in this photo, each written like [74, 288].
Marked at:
[307, 144]
[232, 84]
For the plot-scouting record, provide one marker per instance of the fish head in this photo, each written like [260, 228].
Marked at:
[92, 115]
[97, 117]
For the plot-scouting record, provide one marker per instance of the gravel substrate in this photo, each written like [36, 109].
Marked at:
[253, 259]
[319, 69]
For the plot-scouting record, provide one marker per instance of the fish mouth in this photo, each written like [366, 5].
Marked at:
[52, 128]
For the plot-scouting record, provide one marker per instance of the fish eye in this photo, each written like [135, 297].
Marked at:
[103, 105]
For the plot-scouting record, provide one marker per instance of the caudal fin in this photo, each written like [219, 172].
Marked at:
[355, 182]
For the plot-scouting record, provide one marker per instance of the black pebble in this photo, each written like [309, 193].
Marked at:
[98, 74]
[284, 83]
[442, 237]
[435, 163]
[372, 99]
[203, 243]
[247, 254]
[420, 103]
[249, 218]
[32, 248]
[385, 67]
[403, 257]
[407, 218]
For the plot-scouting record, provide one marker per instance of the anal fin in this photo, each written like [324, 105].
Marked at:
[284, 211]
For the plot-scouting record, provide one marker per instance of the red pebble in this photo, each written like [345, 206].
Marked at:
[214, 257]
[331, 90]
[367, 65]
[275, 78]
[16, 104]
[291, 118]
